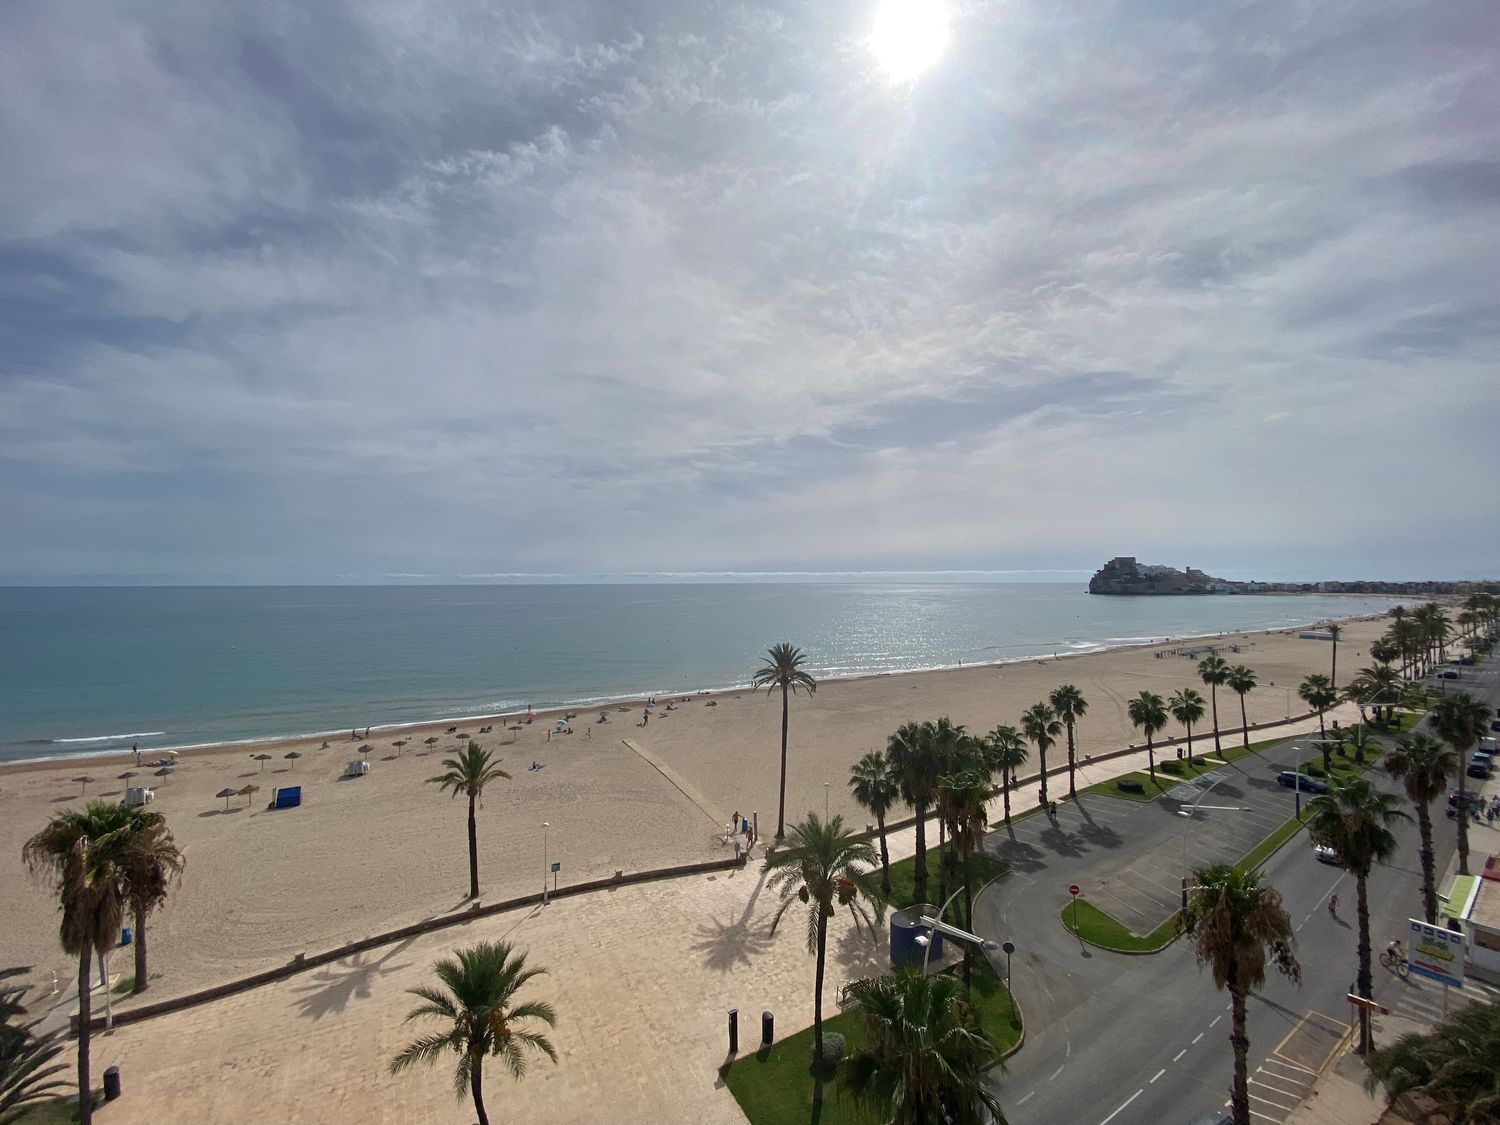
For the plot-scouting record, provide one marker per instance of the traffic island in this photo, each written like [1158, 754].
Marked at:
[1105, 932]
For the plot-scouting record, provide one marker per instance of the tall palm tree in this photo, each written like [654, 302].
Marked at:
[1149, 714]
[1213, 670]
[1355, 820]
[1377, 687]
[469, 773]
[1239, 923]
[1317, 692]
[27, 1072]
[783, 669]
[1461, 721]
[1242, 682]
[478, 1003]
[909, 753]
[968, 794]
[1070, 706]
[1041, 726]
[1187, 708]
[1335, 631]
[1451, 1068]
[923, 1060]
[1006, 752]
[947, 743]
[1383, 651]
[1423, 765]
[151, 864]
[80, 853]
[876, 789]
[824, 865]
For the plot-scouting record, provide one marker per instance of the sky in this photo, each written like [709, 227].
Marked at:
[431, 290]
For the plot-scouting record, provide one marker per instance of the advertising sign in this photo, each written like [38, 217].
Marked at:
[1436, 953]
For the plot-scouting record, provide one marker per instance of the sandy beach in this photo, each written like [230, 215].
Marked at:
[368, 854]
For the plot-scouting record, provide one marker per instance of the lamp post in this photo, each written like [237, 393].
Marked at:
[936, 923]
[826, 786]
[545, 826]
[1190, 813]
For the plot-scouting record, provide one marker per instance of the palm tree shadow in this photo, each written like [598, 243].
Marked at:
[337, 985]
[726, 945]
[858, 948]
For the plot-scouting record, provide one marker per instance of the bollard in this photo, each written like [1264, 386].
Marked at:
[767, 1028]
[734, 1031]
[111, 1083]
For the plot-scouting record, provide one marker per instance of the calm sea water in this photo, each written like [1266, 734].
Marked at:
[89, 669]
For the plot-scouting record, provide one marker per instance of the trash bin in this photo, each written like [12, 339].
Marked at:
[126, 937]
[905, 950]
[111, 1083]
[767, 1028]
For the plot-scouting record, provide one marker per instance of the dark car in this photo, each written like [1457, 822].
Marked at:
[1495, 724]
[1447, 674]
[1294, 780]
[1476, 802]
[1481, 764]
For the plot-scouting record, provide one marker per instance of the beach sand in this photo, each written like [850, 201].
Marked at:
[369, 854]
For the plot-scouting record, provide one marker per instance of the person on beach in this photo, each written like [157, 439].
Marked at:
[135, 748]
[735, 821]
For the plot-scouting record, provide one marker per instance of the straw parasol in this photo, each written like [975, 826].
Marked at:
[247, 791]
[163, 773]
[399, 744]
[84, 781]
[262, 759]
[127, 775]
[431, 741]
[292, 756]
[226, 794]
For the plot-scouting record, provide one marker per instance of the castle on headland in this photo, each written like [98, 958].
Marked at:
[1123, 575]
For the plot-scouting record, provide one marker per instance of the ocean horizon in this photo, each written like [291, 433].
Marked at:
[93, 669]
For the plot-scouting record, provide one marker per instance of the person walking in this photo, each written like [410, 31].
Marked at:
[1333, 905]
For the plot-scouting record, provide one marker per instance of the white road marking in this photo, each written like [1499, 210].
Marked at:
[1027, 1098]
[1159, 1073]
[1216, 1019]
[1179, 1054]
[1197, 1037]
[1054, 1074]
[1122, 1105]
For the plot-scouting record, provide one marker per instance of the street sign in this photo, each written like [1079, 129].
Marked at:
[1360, 1002]
[1073, 889]
[556, 867]
[1436, 953]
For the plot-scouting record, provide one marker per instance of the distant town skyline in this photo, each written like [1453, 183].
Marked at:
[454, 291]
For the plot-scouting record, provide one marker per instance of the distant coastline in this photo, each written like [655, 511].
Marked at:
[1124, 576]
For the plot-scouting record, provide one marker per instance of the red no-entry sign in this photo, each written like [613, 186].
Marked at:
[1073, 889]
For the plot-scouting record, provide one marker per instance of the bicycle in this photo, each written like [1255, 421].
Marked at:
[1395, 964]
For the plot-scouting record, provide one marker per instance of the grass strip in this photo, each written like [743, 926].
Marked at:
[1098, 928]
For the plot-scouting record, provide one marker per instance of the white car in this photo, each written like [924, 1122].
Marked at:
[1325, 854]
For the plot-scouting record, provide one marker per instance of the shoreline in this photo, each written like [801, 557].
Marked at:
[552, 712]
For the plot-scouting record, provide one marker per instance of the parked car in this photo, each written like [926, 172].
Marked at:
[1291, 779]
[1447, 674]
[1465, 660]
[1324, 854]
[1495, 724]
[1476, 802]
[1481, 764]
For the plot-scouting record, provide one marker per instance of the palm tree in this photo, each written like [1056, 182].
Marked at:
[468, 774]
[1149, 713]
[151, 864]
[968, 794]
[1070, 706]
[947, 743]
[1040, 725]
[1213, 671]
[1005, 751]
[81, 854]
[912, 765]
[1451, 1069]
[1423, 765]
[1239, 923]
[783, 669]
[1355, 820]
[1187, 708]
[1461, 721]
[477, 1002]
[1377, 687]
[923, 1060]
[1242, 682]
[1383, 651]
[875, 788]
[1317, 692]
[824, 865]
[1335, 631]
[27, 1072]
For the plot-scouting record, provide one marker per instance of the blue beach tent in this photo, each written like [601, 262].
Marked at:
[288, 797]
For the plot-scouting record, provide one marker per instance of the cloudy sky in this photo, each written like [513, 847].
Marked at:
[298, 291]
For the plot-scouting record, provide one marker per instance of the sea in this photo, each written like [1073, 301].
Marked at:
[88, 670]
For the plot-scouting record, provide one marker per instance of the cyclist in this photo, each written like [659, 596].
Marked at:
[1396, 951]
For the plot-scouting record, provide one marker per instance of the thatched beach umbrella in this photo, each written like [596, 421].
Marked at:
[84, 781]
[163, 773]
[247, 791]
[431, 741]
[127, 775]
[262, 759]
[226, 794]
[292, 756]
[399, 744]
[365, 749]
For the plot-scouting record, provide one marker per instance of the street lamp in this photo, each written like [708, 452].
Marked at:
[545, 826]
[826, 786]
[1190, 813]
[936, 923]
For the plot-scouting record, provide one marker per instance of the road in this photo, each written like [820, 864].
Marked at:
[1113, 1039]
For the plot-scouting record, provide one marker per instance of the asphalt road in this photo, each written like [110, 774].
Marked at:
[1114, 1039]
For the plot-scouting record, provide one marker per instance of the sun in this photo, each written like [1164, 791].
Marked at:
[908, 36]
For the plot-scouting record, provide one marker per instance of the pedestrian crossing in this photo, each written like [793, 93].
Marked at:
[1285, 1077]
[1423, 1001]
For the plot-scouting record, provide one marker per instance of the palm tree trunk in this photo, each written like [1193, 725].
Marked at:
[818, 1009]
[1005, 791]
[1041, 756]
[1366, 982]
[1322, 731]
[1333, 671]
[473, 851]
[1463, 813]
[1239, 1042]
[138, 910]
[968, 924]
[919, 869]
[781, 805]
[942, 866]
[1072, 792]
[1213, 697]
[1323, 746]
[1244, 722]
[476, 1089]
[85, 1014]
[885, 858]
[1190, 743]
[1150, 758]
[1429, 887]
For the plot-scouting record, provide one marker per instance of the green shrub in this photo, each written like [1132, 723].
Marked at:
[1312, 769]
[1129, 785]
[833, 1051]
[1173, 767]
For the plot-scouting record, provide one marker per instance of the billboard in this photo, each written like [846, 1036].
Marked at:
[1436, 953]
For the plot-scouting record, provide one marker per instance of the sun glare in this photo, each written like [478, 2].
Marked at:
[908, 36]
